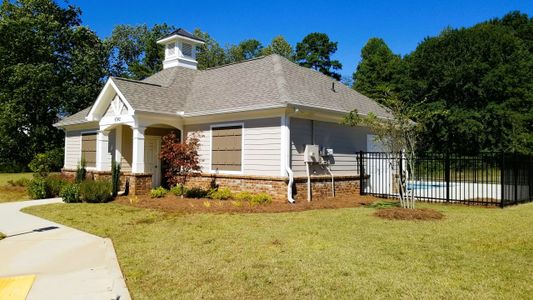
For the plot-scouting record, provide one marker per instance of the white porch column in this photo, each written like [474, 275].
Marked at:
[102, 159]
[138, 150]
[118, 144]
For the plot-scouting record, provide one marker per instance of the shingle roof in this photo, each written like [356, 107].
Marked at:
[183, 32]
[76, 118]
[270, 81]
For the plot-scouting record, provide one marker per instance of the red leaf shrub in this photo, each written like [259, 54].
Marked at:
[181, 159]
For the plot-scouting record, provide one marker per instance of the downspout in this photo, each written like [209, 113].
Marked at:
[286, 150]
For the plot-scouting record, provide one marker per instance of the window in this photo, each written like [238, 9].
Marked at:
[171, 49]
[186, 49]
[88, 148]
[226, 148]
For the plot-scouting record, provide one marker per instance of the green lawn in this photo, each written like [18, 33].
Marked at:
[344, 253]
[9, 193]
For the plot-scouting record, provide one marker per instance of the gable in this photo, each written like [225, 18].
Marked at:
[117, 107]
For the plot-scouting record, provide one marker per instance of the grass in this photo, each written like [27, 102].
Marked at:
[9, 193]
[343, 253]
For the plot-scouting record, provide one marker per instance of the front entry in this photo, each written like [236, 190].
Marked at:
[152, 163]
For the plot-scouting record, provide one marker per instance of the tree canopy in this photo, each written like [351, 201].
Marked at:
[281, 47]
[473, 85]
[133, 51]
[378, 69]
[315, 51]
[50, 66]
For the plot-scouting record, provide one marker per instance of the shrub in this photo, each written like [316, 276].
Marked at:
[243, 196]
[196, 192]
[37, 188]
[158, 192]
[19, 182]
[115, 177]
[95, 191]
[81, 171]
[54, 184]
[179, 190]
[44, 163]
[70, 193]
[220, 194]
[260, 199]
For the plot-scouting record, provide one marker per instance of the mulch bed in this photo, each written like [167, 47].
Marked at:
[398, 213]
[174, 204]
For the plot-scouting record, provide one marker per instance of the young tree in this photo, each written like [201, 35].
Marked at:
[315, 51]
[397, 136]
[50, 66]
[209, 54]
[181, 159]
[134, 52]
[281, 47]
[378, 69]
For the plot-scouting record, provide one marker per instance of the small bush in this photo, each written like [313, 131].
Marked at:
[37, 188]
[220, 194]
[260, 199]
[70, 193]
[244, 196]
[2, 236]
[158, 192]
[44, 163]
[196, 192]
[179, 190]
[54, 184]
[95, 191]
[23, 182]
[81, 171]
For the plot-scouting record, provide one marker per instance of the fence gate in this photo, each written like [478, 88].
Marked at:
[488, 178]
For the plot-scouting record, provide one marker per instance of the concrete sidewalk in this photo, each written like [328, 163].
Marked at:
[68, 263]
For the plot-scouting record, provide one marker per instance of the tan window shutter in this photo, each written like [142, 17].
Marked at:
[226, 148]
[88, 148]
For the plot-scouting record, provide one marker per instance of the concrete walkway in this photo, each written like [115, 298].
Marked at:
[68, 263]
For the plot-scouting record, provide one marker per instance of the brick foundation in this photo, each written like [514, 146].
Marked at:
[138, 184]
[277, 186]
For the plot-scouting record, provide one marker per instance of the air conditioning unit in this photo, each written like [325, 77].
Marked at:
[312, 154]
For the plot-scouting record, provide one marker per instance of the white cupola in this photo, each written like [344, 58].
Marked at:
[180, 49]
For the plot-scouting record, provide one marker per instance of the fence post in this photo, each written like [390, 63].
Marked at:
[447, 175]
[502, 180]
[361, 174]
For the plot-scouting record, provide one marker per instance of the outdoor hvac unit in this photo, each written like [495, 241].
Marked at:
[312, 154]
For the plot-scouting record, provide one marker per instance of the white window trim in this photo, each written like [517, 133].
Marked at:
[221, 125]
[81, 148]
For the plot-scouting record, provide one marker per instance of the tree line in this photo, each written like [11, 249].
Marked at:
[471, 86]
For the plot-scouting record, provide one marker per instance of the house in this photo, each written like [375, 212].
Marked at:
[254, 120]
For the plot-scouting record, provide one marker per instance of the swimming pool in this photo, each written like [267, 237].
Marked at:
[425, 185]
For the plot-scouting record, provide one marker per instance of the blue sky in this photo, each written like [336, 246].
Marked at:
[402, 24]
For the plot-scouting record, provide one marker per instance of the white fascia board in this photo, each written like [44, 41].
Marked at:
[102, 97]
[178, 37]
[233, 110]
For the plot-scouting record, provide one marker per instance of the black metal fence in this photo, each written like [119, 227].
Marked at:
[488, 178]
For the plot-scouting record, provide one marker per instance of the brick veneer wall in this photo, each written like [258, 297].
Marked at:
[138, 184]
[277, 186]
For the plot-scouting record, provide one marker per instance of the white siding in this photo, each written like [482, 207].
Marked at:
[345, 142]
[261, 149]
